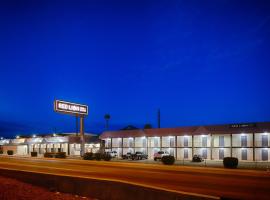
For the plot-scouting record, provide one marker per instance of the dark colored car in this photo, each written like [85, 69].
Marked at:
[127, 156]
[197, 158]
[139, 156]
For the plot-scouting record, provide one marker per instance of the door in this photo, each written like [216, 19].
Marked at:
[244, 154]
[204, 153]
[185, 153]
[264, 154]
[221, 154]
[185, 141]
[264, 140]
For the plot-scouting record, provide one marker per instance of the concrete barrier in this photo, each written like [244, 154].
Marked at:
[97, 188]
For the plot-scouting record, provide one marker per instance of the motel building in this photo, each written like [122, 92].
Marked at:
[247, 142]
[64, 142]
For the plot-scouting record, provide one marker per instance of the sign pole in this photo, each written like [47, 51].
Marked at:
[82, 135]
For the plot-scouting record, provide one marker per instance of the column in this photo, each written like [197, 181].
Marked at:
[192, 150]
[231, 144]
[82, 135]
[253, 146]
[175, 146]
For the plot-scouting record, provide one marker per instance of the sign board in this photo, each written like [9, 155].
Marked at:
[248, 125]
[70, 108]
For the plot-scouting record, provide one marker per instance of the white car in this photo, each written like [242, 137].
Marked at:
[113, 154]
[160, 154]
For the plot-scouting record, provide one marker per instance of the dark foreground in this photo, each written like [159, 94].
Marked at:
[235, 184]
[15, 190]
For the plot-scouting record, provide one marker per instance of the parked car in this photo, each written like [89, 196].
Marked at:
[127, 156]
[113, 154]
[139, 156]
[197, 158]
[160, 154]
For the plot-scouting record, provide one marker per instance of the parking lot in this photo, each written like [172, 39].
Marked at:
[259, 165]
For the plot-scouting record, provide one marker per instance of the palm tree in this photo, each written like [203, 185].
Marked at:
[107, 117]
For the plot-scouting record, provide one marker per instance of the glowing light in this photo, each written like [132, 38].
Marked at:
[1, 138]
[17, 137]
[34, 135]
[265, 148]
[130, 138]
[243, 134]
[143, 137]
[265, 133]
[203, 135]
[185, 136]
[54, 135]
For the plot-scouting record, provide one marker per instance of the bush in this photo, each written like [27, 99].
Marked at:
[88, 156]
[98, 156]
[107, 157]
[230, 162]
[168, 160]
[33, 154]
[48, 155]
[60, 155]
[9, 152]
[1, 151]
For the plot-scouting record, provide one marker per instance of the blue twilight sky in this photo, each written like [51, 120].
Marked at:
[200, 62]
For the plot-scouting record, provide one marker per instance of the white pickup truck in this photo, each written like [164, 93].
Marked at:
[160, 154]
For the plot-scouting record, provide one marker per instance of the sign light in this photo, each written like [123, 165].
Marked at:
[70, 108]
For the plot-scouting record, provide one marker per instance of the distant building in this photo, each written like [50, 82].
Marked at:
[64, 142]
[246, 141]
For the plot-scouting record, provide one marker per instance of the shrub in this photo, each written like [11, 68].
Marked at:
[98, 156]
[60, 155]
[9, 152]
[88, 156]
[230, 162]
[1, 151]
[107, 157]
[48, 155]
[33, 154]
[168, 160]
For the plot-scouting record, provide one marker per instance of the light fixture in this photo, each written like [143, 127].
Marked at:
[54, 135]
[185, 135]
[34, 135]
[1, 138]
[243, 134]
[265, 133]
[17, 137]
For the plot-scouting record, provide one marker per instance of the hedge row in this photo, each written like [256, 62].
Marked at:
[97, 156]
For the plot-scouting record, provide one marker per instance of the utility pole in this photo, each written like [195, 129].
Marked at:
[158, 118]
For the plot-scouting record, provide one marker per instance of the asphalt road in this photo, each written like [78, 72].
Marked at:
[235, 183]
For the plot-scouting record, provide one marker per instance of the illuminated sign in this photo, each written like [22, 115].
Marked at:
[70, 108]
[248, 125]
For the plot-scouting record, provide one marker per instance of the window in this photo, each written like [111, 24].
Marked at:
[144, 142]
[204, 141]
[243, 140]
[185, 153]
[156, 142]
[221, 154]
[264, 140]
[185, 141]
[171, 142]
[130, 142]
[264, 154]
[244, 154]
[221, 141]
[204, 153]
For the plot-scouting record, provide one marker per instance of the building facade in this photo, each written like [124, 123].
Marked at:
[247, 142]
[65, 142]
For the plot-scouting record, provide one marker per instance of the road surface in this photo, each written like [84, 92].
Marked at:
[229, 183]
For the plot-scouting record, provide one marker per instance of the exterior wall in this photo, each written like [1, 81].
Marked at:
[227, 140]
[168, 141]
[154, 142]
[180, 153]
[215, 153]
[180, 141]
[116, 142]
[198, 140]
[258, 154]
[258, 139]
[199, 151]
[236, 139]
[237, 152]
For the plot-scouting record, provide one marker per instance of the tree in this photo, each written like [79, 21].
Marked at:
[107, 117]
[147, 126]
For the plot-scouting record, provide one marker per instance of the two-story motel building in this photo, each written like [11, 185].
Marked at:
[248, 141]
[60, 142]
